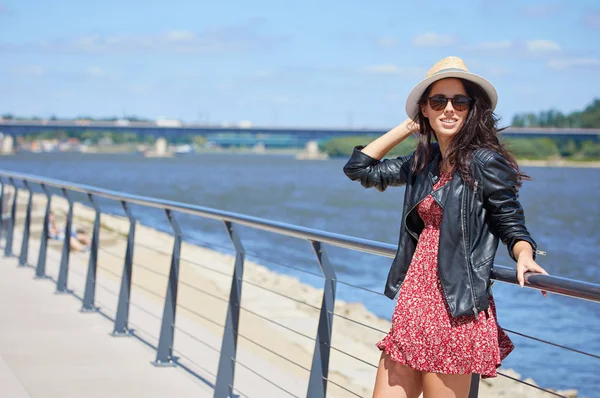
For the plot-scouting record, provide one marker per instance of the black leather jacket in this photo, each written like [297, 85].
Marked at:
[474, 219]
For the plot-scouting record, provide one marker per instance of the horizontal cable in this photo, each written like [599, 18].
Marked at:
[203, 291]
[107, 289]
[200, 315]
[531, 385]
[100, 267]
[254, 255]
[553, 344]
[235, 390]
[273, 352]
[343, 388]
[197, 339]
[277, 323]
[148, 290]
[145, 311]
[180, 281]
[358, 323]
[185, 259]
[206, 267]
[150, 270]
[265, 379]
[360, 287]
[280, 294]
[132, 283]
[352, 356]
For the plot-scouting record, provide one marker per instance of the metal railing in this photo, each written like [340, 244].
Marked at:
[224, 386]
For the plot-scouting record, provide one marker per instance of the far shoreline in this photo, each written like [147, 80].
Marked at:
[292, 152]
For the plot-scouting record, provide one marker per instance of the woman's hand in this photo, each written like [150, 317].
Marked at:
[525, 263]
[411, 126]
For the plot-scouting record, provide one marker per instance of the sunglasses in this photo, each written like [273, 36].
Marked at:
[460, 102]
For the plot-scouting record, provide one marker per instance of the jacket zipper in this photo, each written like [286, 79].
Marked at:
[463, 225]
[412, 208]
[474, 195]
[406, 218]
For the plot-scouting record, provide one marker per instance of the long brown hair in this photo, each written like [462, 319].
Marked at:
[480, 130]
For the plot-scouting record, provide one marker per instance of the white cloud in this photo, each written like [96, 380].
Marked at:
[498, 71]
[385, 69]
[96, 71]
[138, 88]
[264, 73]
[391, 69]
[180, 36]
[29, 71]
[431, 39]
[64, 94]
[542, 46]
[592, 19]
[225, 39]
[541, 10]
[574, 63]
[492, 45]
[387, 41]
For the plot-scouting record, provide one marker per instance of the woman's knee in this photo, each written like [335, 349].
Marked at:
[396, 380]
[439, 385]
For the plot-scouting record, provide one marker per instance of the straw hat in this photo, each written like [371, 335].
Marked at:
[448, 67]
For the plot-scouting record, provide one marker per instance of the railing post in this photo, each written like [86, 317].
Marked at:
[90, 281]
[61, 285]
[319, 371]
[122, 318]
[11, 224]
[164, 353]
[225, 374]
[40, 270]
[474, 391]
[1, 207]
[26, 228]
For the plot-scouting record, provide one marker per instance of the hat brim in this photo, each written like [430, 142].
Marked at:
[412, 106]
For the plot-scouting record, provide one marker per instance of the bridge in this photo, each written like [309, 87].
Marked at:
[232, 135]
[102, 322]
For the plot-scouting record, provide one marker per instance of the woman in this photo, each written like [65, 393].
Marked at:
[460, 201]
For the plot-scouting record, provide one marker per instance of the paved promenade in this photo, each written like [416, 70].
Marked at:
[48, 348]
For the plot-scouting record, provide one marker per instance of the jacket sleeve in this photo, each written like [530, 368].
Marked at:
[500, 195]
[377, 173]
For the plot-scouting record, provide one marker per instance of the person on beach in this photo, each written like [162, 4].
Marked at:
[79, 240]
[461, 199]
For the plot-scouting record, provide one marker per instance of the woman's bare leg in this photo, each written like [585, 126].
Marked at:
[75, 244]
[438, 385]
[395, 380]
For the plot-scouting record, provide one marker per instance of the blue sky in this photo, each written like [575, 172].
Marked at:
[283, 63]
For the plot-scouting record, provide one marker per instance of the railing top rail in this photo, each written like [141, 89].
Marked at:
[569, 287]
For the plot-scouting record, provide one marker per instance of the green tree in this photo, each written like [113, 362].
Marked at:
[343, 146]
[532, 148]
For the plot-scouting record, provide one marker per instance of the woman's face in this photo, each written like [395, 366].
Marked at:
[448, 121]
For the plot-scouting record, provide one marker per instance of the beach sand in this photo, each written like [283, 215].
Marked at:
[266, 350]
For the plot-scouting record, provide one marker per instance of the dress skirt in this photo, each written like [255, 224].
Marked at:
[424, 336]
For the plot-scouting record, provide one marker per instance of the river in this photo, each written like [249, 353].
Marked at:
[561, 207]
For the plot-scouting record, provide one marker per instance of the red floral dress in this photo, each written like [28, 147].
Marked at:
[424, 336]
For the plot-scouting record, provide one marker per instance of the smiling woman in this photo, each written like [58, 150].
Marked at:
[460, 201]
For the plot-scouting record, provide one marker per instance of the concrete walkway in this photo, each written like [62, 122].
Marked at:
[48, 348]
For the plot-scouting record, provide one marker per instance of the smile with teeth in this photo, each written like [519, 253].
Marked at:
[448, 121]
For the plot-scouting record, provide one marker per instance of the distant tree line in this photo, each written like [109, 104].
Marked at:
[537, 148]
[95, 137]
[10, 116]
[588, 118]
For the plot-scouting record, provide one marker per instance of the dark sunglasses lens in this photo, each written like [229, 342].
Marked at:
[437, 102]
[461, 103]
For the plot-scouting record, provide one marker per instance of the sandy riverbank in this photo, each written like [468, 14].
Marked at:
[560, 163]
[263, 293]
